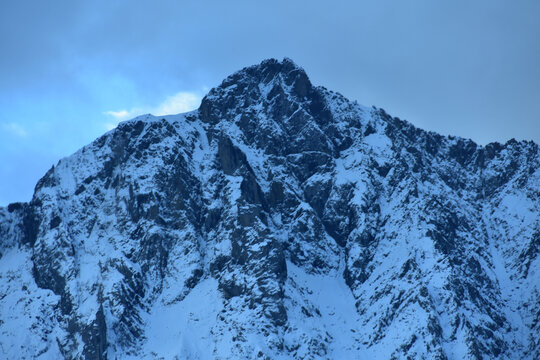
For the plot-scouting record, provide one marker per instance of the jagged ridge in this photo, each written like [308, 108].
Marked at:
[279, 220]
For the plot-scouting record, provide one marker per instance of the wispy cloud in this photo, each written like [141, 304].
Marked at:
[178, 103]
[122, 114]
[15, 129]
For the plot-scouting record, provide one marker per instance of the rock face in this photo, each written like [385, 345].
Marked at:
[278, 221]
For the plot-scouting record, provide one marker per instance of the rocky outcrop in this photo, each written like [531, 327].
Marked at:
[279, 220]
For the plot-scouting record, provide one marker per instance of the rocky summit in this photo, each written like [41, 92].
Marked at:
[279, 220]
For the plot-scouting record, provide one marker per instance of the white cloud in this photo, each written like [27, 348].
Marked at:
[122, 114]
[178, 103]
[15, 129]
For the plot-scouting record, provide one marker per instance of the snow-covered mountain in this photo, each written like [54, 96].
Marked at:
[278, 221]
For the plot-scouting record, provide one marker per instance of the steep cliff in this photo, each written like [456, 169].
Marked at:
[279, 220]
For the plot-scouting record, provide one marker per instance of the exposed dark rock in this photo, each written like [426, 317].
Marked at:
[269, 214]
[230, 157]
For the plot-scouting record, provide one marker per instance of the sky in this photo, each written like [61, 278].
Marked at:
[71, 70]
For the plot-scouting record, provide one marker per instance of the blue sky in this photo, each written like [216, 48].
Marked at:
[70, 70]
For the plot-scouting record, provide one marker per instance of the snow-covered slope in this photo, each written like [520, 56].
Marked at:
[278, 221]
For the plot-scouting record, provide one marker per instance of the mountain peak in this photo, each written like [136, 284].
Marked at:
[272, 68]
[280, 220]
[262, 81]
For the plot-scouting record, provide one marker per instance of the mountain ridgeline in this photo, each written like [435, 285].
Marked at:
[278, 221]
